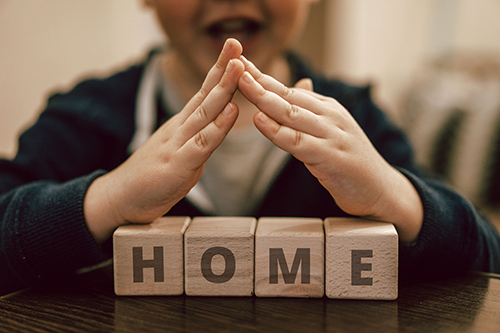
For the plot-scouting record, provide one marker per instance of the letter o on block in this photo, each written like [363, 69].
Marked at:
[219, 256]
[206, 264]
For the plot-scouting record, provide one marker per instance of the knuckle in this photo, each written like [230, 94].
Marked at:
[201, 94]
[201, 140]
[225, 85]
[292, 111]
[218, 64]
[218, 124]
[297, 139]
[261, 92]
[258, 75]
[286, 92]
[330, 100]
[202, 112]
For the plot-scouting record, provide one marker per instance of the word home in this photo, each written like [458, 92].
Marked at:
[345, 258]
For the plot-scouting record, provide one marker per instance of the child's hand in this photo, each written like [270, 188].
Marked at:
[169, 164]
[321, 133]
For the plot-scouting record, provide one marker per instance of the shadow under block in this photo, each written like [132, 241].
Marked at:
[148, 258]
[289, 257]
[219, 256]
[361, 259]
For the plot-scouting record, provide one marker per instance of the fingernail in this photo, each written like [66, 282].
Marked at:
[228, 109]
[247, 77]
[263, 117]
[227, 45]
[230, 66]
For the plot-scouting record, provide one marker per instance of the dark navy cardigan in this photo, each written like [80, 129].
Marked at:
[84, 133]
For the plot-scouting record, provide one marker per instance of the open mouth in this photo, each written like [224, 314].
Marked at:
[240, 28]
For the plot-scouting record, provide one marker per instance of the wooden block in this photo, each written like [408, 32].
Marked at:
[289, 257]
[361, 259]
[148, 258]
[219, 256]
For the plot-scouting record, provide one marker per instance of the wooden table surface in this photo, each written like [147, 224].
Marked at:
[470, 303]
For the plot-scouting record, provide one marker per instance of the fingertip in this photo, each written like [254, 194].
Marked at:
[230, 109]
[249, 87]
[234, 69]
[249, 66]
[230, 41]
[264, 124]
[248, 78]
[239, 64]
[233, 44]
[261, 117]
[245, 61]
[305, 83]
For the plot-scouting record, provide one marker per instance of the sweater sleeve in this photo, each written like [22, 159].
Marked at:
[454, 237]
[78, 137]
[43, 233]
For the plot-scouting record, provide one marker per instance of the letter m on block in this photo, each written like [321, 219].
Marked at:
[302, 255]
[156, 263]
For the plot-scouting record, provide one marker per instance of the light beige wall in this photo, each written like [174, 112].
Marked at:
[378, 41]
[387, 42]
[479, 25]
[48, 44]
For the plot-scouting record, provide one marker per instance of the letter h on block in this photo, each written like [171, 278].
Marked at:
[361, 259]
[283, 247]
[148, 258]
[139, 263]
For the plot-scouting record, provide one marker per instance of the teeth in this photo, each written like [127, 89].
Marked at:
[233, 25]
[241, 28]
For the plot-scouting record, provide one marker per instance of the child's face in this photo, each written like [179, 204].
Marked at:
[197, 29]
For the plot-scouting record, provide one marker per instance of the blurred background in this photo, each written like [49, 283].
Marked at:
[433, 66]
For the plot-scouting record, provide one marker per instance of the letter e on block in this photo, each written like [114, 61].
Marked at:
[289, 257]
[148, 258]
[361, 259]
[219, 256]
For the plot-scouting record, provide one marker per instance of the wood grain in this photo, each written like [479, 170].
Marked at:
[87, 303]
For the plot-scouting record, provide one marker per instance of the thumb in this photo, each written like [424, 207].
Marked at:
[306, 84]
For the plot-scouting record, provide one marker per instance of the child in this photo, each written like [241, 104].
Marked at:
[136, 146]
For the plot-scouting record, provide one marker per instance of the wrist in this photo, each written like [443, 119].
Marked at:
[101, 214]
[404, 208]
